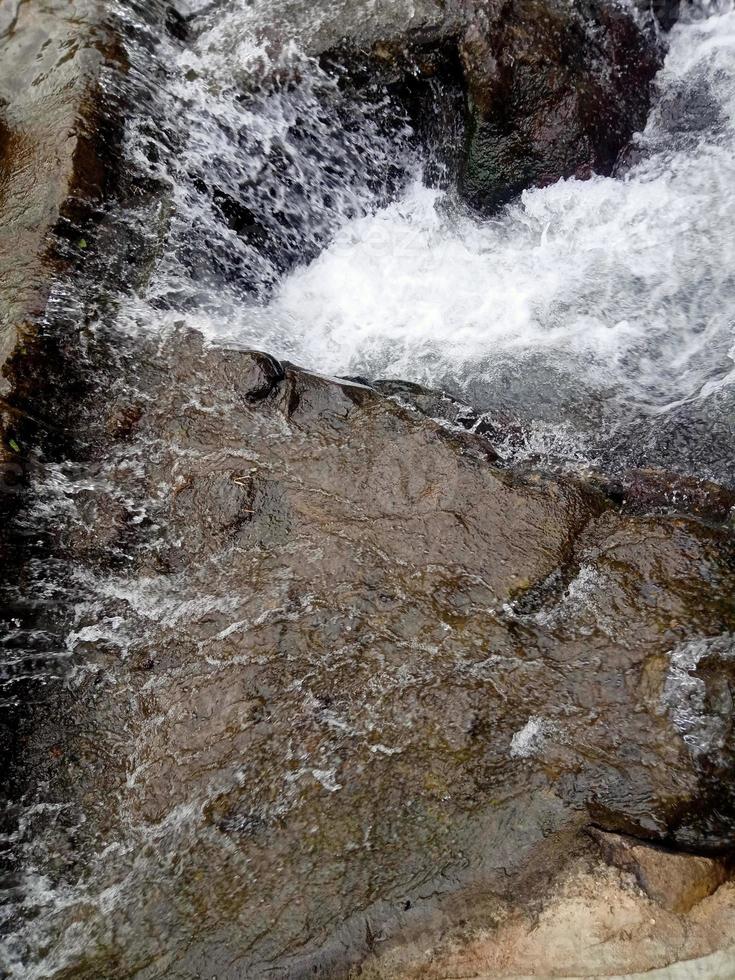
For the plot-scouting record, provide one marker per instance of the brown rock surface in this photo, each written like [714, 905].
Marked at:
[345, 666]
[595, 922]
[556, 90]
[677, 882]
[47, 62]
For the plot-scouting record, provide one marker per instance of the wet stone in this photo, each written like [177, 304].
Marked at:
[358, 662]
[555, 91]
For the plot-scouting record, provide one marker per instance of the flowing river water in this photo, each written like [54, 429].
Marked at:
[593, 322]
[599, 312]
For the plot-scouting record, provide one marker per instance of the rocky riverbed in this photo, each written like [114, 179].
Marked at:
[319, 675]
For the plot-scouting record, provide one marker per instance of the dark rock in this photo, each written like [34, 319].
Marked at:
[656, 491]
[418, 78]
[48, 63]
[665, 12]
[555, 90]
[498, 97]
[177, 24]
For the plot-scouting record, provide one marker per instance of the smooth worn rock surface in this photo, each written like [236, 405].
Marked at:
[354, 667]
[47, 59]
[677, 882]
[595, 922]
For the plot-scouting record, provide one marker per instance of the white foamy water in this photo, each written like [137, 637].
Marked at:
[629, 280]
[587, 302]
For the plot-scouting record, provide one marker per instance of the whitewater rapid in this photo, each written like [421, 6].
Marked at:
[603, 306]
[626, 283]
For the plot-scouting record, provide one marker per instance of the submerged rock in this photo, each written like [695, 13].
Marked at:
[653, 491]
[353, 668]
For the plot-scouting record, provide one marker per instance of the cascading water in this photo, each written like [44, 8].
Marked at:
[282, 211]
[599, 312]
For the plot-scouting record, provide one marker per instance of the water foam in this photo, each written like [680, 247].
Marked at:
[624, 284]
[586, 303]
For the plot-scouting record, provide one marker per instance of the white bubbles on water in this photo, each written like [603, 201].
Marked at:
[626, 283]
[532, 738]
[702, 720]
[588, 305]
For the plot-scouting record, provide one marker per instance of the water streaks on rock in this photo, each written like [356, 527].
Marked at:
[300, 664]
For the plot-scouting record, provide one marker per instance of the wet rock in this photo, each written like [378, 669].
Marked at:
[418, 81]
[177, 24]
[41, 98]
[429, 401]
[495, 98]
[648, 491]
[440, 406]
[677, 882]
[323, 25]
[552, 90]
[555, 91]
[697, 438]
[666, 12]
[48, 65]
[353, 667]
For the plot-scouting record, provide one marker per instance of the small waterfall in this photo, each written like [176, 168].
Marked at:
[599, 313]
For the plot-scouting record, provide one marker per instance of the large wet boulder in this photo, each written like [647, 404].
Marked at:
[50, 173]
[555, 90]
[48, 66]
[335, 663]
[551, 90]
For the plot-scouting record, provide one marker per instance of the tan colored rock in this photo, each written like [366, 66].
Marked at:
[596, 922]
[675, 881]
